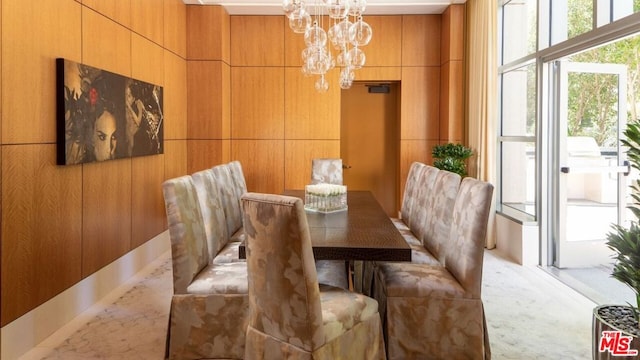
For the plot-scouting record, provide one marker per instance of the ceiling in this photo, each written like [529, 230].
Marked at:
[374, 7]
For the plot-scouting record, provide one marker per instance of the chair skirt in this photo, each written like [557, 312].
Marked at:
[362, 342]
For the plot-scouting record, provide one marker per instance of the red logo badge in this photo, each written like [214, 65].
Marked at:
[616, 343]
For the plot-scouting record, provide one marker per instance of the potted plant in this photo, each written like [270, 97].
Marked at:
[451, 157]
[616, 328]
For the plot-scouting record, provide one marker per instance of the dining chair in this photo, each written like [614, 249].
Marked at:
[329, 171]
[436, 312]
[209, 307]
[291, 315]
[215, 224]
[408, 195]
[423, 195]
[435, 212]
[414, 217]
[326, 171]
[221, 248]
[239, 181]
[230, 201]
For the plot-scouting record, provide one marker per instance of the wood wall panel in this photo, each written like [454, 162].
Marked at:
[147, 203]
[452, 102]
[452, 33]
[414, 150]
[208, 109]
[257, 40]
[147, 61]
[385, 48]
[119, 11]
[208, 34]
[293, 46]
[421, 40]
[107, 44]
[225, 96]
[309, 114]
[175, 158]
[262, 163]
[106, 213]
[379, 73]
[175, 96]
[33, 35]
[147, 18]
[41, 227]
[420, 103]
[257, 102]
[298, 157]
[175, 27]
[204, 154]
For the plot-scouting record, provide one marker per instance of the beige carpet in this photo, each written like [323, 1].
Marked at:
[530, 316]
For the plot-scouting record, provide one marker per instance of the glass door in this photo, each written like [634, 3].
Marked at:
[592, 179]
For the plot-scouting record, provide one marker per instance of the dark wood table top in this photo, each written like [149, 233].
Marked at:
[362, 232]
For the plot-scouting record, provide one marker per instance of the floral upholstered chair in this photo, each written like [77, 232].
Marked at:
[291, 316]
[235, 167]
[420, 192]
[433, 211]
[230, 201]
[329, 171]
[326, 171]
[210, 304]
[212, 211]
[436, 312]
[408, 196]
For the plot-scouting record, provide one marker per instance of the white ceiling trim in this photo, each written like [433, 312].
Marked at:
[374, 7]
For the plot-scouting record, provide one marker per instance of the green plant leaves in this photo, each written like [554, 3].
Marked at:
[625, 242]
[451, 157]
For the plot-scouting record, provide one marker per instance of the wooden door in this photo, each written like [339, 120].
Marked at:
[369, 141]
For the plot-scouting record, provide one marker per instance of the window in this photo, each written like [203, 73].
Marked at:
[519, 40]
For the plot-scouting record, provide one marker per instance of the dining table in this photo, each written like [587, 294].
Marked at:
[362, 231]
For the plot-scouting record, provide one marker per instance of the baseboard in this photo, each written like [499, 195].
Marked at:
[26, 332]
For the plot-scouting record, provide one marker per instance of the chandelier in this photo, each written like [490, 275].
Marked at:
[346, 33]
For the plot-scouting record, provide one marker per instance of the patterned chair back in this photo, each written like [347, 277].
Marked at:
[409, 194]
[238, 178]
[326, 171]
[230, 203]
[189, 252]
[435, 234]
[464, 256]
[284, 294]
[212, 211]
[422, 199]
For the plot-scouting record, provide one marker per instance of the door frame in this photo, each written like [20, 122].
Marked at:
[581, 253]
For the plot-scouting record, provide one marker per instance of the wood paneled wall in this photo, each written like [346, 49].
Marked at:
[233, 90]
[278, 122]
[208, 87]
[62, 223]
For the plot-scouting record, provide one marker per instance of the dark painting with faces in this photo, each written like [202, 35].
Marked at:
[105, 116]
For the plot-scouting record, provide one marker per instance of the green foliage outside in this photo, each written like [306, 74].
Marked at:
[625, 242]
[593, 97]
[451, 157]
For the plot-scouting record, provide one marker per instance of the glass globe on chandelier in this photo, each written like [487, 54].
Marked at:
[343, 35]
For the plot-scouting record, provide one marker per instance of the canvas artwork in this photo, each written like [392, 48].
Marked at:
[105, 116]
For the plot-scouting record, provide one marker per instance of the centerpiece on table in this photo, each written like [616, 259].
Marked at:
[325, 197]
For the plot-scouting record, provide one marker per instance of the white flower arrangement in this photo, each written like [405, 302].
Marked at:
[325, 197]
